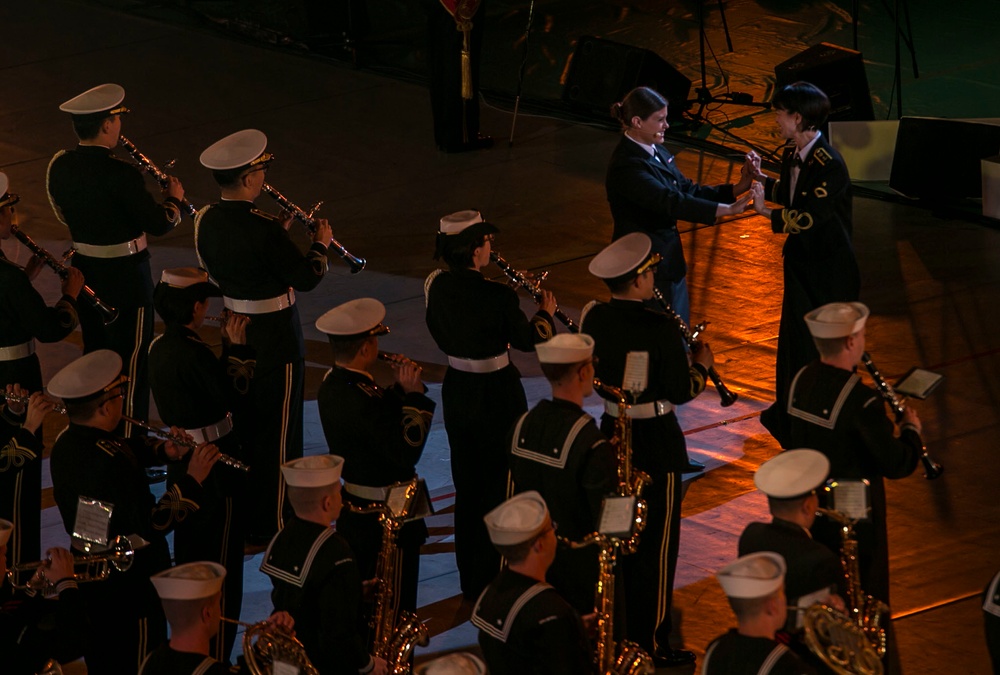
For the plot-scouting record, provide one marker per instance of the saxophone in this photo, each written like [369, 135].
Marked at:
[854, 643]
[396, 632]
[631, 482]
[627, 658]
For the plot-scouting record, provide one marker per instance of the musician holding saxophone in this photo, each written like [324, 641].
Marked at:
[259, 269]
[832, 411]
[557, 450]
[108, 210]
[24, 318]
[100, 486]
[627, 332]
[475, 322]
[205, 395]
[314, 574]
[380, 432]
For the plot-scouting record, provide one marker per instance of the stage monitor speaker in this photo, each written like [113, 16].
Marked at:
[603, 71]
[839, 72]
[940, 160]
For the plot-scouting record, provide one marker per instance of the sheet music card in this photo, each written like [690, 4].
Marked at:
[617, 517]
[636, 377]
[918, 383]
[850, 497]
[92, 524]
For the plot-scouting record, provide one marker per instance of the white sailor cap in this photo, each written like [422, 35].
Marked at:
[89, 376]
[190, 581]
[236, 151]
[354, 319]
[626, 257]
[313, 471]
[792, 474]
[565, 348]
[519, 519]
[188, 278]
[7, 199]
[468, 222]
[837, 319]
[104, 99]
[756, 575]
[456, 663]
[6, 529]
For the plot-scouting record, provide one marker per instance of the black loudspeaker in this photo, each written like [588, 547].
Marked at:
[602, 72]
[839, 72]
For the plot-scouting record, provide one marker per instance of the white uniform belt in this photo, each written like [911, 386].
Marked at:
[375, 494]
[127, 248]
[642, 411]
[15, 352]
[283, 301]
[490, 365]
[212, 432]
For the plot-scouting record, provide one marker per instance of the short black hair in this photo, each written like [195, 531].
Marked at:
[88, 126]
[175, 305]
[346, 350]
[457, 250]
[228, 178]
[557, 372]
[805, 99]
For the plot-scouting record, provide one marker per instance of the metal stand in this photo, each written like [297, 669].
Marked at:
[904, 34]
[520, 74]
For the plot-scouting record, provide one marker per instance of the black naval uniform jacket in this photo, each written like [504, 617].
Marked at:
[193, 387]
[818, 256]
[811, 566]
[316, 580]
[96, 464]
[381, 434]
[735, 654]
[832, 411]
[20, 486]
[650, 195]
[557, 449]
[166, 660]
[622, 326]
[526, 627]
[252, 257]
[103, 200]
[25, 316]
[34, 629]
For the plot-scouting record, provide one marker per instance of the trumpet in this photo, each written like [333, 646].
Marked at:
[14, 398]
[149, 167]
[306, 218]
[96, 567]
[726, 396]
[931, 468]
[532, 286]
[107, 312]
[228, 460]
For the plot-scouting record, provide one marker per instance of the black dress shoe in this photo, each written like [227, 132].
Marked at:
[671, 658]
[693, 467]
[480, 142]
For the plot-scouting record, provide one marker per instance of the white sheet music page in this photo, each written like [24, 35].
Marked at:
[636, 377]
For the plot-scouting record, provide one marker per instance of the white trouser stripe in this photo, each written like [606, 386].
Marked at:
[661, 587]
[283, 444]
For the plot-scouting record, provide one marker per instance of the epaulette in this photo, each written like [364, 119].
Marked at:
[372, 390]
[264, 214]
[108, 447]
[822, 156]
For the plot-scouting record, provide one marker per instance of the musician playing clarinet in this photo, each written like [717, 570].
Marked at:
[100, 486]
[475, 322]
[205, 395]
[625, 328]
[259, 269]
[104, 203]
[24, 318]
[380, 433]
[831, 410]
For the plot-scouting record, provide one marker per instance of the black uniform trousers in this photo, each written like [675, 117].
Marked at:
[479, 410]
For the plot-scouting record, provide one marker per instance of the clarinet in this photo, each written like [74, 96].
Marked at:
[306, 218]
[532, 287]
[726, 396]
[147, 165]
[107, 312]
[931, 468]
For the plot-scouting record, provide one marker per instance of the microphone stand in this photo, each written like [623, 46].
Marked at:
[520, 74]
